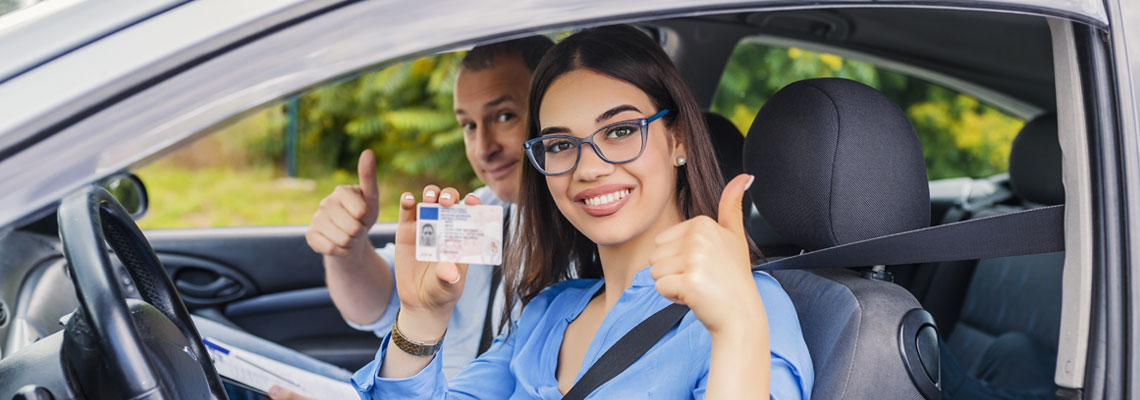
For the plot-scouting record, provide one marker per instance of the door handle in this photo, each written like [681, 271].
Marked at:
[222, 286]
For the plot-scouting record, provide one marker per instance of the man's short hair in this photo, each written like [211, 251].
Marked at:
[530, 49]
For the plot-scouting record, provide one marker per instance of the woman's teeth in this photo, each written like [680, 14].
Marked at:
[607, 198]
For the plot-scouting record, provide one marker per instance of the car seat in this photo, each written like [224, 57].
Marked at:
[978, 302]
[836, 162]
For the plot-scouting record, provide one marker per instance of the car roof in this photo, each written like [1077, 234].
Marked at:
[78, 109]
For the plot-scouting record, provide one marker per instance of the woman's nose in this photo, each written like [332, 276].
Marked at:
[590, 165]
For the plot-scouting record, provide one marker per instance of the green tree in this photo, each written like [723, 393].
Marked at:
[402, 112]
[960, 135]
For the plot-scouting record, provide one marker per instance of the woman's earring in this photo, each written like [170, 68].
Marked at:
[680, 161]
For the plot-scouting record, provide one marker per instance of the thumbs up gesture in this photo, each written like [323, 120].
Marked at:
[704, 263]
[343, 219]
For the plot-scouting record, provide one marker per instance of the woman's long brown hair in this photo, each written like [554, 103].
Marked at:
[546, 246]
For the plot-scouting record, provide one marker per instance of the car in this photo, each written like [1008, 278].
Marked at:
[92, 91]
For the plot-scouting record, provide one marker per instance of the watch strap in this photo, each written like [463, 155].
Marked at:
[413, 347]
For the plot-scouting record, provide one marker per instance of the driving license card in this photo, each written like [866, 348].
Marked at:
[463, 234]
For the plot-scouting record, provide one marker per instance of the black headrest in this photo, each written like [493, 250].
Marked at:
[836, 162]
[727, 142]
[1035, 162]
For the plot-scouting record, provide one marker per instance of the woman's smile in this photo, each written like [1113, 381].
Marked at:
[604, 200]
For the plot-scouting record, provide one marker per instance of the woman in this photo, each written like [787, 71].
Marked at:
[623, 186]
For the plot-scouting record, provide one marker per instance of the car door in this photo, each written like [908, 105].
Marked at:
[229, 211]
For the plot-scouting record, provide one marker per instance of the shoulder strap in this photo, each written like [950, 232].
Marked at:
[1039, 230]
[627, 350]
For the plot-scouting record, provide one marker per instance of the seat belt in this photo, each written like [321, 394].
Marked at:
[627, 350]
[1034, 231]
[488, 334]
[1039, 230]
[488, 317]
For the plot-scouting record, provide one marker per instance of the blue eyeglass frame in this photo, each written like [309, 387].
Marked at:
[528, 145]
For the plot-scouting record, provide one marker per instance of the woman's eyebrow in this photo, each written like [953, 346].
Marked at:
[614, 111]
[553, 130]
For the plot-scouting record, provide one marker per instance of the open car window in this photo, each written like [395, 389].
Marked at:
[961, 135]
[274, 166]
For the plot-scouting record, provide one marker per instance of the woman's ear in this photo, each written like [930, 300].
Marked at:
[680, 156]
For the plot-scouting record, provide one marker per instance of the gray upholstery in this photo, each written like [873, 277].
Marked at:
[1009, 294]
[851, 325]
[840, 163]
[1019, 294]
[1035, 162]
[977, 302]
[835, 162]
[727, 142]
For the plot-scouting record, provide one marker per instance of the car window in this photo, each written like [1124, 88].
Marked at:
[960, 135]
[274, 166]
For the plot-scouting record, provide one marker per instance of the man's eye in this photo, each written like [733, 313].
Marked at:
[470, 126]
[506, 117]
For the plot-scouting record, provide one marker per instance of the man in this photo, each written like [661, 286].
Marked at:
[490, 105]
[490, 102]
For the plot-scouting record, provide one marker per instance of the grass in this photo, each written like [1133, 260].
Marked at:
[201, 197]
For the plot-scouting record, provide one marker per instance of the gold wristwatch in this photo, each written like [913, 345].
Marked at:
[412, 347]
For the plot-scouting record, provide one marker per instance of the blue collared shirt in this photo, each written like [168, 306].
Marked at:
[522, 365]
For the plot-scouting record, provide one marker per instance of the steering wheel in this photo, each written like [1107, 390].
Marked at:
[120, 347]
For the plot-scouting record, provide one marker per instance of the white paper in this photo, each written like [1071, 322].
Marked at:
[260, 373]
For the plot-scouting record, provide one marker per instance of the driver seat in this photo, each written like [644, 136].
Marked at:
[836, 162]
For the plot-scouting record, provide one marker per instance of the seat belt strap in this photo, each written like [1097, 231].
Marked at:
[488, 317]
[488, 334]
[627, 350]
[1034, 231]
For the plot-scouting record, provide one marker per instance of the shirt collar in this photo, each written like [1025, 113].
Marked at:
[644, 278]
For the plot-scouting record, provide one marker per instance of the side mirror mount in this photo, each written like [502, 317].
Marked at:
[129, 190]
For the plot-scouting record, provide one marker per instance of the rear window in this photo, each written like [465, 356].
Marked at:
[961, 136]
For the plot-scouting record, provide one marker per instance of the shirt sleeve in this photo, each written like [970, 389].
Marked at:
[488, 376]
[384, 323]
[792, 375]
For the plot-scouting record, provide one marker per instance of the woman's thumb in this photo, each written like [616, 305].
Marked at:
[730, 214]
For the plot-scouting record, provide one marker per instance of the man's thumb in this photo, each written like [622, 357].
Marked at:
[366, 170]
[730, 214]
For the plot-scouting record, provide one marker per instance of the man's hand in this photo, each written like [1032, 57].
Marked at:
[343, 219]
[280, 393]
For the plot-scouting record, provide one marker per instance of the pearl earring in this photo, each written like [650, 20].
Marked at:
[681, 160]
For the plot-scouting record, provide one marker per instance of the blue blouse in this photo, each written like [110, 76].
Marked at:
[522, 365]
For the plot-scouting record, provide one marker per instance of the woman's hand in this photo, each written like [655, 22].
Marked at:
[428, 290]
[705, 265]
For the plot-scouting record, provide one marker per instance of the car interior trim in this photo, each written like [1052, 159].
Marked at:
[1021, 109]
[359, 47]
[1077, 285]
[1108, 328]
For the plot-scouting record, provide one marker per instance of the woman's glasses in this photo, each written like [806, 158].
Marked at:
[616, 143]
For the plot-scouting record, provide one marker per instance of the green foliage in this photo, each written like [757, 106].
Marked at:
[403, 113]
[960, 135]
[235, 177]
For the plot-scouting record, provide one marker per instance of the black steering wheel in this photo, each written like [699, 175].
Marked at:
[117, 346]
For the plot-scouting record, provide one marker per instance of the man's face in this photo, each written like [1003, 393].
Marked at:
[490, 105]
